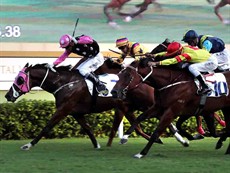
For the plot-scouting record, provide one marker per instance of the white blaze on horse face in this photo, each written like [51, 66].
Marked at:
[15, 93]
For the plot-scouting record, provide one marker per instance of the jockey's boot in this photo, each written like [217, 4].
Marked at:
[100, 86]
[204, 87]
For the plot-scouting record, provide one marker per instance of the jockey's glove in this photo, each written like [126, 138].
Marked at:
[51, 67]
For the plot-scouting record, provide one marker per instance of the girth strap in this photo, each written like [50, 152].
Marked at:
[201, 105]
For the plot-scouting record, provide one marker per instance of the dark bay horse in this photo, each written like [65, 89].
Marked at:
[175, 95]
[69, 89]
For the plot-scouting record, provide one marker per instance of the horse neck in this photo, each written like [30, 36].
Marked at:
[49, 82]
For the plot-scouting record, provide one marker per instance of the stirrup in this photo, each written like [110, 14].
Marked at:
[101, 89]
[204, 91]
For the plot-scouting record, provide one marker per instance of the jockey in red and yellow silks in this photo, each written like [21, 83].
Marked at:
[200, 59]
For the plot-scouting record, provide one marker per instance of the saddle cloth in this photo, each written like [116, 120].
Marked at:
[109, 79]
[217, 82]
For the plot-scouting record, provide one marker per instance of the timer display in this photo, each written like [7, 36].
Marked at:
[10, 31]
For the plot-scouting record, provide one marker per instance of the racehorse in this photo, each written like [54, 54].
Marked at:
[68, 89]
[175, 95]
[221, 4]
[117, 5]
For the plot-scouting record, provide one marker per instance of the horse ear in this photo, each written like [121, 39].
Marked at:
[27, 65]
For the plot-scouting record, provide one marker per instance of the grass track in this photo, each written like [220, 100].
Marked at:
[77, 156]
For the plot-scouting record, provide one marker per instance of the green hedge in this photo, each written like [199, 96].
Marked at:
[26, 118]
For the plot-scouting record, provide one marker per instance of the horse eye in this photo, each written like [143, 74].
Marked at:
[20, 80]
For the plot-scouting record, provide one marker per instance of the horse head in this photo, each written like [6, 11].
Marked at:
[161, 47]
[29, 77]
[129, 79]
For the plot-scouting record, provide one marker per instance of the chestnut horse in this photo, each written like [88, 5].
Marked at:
[175, 95]
[118, 4]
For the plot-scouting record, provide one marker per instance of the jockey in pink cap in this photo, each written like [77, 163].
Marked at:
[88, 48]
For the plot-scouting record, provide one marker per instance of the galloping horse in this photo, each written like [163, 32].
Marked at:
[118, 4]
[69, 88]
[175, 95]
[221, 4]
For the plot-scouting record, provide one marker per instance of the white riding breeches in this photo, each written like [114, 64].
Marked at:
[91, 64]
[208, 66]
[223, 59]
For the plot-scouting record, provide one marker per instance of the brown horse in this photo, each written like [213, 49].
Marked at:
[175, 95]
[221, 4]
[118, 4]
[69, 88]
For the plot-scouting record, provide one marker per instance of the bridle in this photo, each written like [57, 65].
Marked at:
[25, 86]
[125, 90]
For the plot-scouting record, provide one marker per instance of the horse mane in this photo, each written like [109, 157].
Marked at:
[111, 64]
[60, 68]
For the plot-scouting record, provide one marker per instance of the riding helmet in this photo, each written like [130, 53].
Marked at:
[121, 42]
[65, 40]
[190, 35]
[173, 49]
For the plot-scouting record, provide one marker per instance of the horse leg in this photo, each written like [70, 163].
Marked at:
[165, 121]
[179, 138]
[209, 119]
[139, 119]
[116, 122]
[81, 120]
[131, 118]
[219, 144]
[179, 123]
[57, 117]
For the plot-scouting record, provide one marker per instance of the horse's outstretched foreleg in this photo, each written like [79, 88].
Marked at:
[179, 123]
[116, 122]
[223, 138]
[131, 118]
[179, 138]
[57, 117]
[139, 119]
[165, 121]
[81, 120]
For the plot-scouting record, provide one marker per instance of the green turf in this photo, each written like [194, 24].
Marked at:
[78, 156]
[45, 21]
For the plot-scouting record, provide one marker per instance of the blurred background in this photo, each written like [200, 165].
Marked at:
[45, 21]
[30, 30]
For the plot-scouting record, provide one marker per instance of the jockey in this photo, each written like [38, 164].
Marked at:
[212, 44]
[88, 48]
[200, 59]
[135, 50]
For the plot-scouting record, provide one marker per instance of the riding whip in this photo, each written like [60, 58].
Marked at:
[75, 26]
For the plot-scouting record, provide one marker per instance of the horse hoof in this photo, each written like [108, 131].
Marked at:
[138, 156]
[114, 25]
[128, 19]
[219, 145]
[123, 141]
[186, 144]
[198, 137]
[26, 147]
[98, 146]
